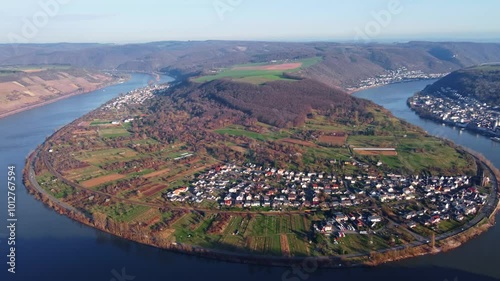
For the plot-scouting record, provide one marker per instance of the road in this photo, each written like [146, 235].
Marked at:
[35, 184]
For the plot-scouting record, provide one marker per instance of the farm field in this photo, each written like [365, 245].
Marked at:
[375, 151]
[260, 73]
[113, 132]
[106, 155]
[121, 212]
[84, 174]
[335, 140]
[101, 180]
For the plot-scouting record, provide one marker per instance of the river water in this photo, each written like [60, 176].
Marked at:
[53, 247]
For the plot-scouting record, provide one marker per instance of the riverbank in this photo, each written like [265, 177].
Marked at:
[65, 96]
[427, 116]
[351, 91]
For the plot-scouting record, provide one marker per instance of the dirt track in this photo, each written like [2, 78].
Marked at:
[285, 247]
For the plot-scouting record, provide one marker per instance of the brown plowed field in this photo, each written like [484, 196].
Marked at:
[155, 174]
[149, 190]
[285, 247]
[100, 180]
[333, 140]
[376, 152]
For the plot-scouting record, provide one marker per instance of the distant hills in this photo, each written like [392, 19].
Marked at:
[343, 65]
[480, 82]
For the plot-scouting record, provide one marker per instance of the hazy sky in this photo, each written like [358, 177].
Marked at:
[114, 21]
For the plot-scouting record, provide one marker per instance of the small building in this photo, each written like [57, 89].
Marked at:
[412, 224]
[179, 191]
[374, 219]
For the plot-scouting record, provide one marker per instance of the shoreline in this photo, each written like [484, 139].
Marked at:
[352, 91]
[76, 93]
[436, 120]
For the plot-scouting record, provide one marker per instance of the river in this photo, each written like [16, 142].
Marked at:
[53, 247]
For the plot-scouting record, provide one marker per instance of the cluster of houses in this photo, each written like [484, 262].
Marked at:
[452, 198]
[451, 107]
[401, 74]
[354, 222]
[252, 186]
[446, 198]
[138, 96]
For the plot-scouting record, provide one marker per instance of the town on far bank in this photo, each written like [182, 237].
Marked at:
[399, 75]
[453, 108]
[467, 98]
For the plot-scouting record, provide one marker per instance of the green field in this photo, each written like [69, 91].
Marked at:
[257, 76]
[355, 243]
[122, 212]
[56, 188]
[103, 156]
[100, 122]
[84, 174]
[372, 141]
[298, 247]
[113, 132]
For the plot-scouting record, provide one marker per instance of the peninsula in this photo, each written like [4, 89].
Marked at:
[255, 164]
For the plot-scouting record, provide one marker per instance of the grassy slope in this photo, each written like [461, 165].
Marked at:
[256, 76]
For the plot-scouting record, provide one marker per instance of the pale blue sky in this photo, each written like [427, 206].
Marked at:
[113, 21]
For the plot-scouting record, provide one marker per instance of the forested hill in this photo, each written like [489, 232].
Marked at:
[280, 103]
[480, 82]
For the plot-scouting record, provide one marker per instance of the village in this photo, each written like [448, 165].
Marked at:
[346, 200]
[138, 96]
[399, 75]
[449, 106]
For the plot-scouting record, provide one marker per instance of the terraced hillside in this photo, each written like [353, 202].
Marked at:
[26, 86]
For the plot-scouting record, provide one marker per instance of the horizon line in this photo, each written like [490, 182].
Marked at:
[318, 40]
